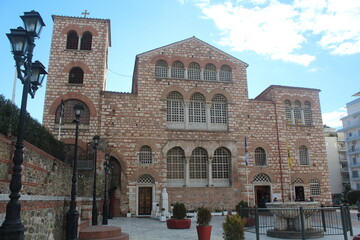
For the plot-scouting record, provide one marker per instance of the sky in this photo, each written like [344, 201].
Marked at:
[299, 43]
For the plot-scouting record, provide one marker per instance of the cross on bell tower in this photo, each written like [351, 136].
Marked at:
[85, 13]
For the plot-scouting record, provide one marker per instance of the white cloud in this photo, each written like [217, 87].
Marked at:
[281, 31]
[332, 119]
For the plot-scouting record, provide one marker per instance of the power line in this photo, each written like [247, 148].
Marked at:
[119, 73]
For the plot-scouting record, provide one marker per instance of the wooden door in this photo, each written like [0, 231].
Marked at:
[262, 195]
[299, 193]
[145, 200]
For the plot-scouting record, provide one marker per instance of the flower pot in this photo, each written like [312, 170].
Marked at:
[204, 232]
[178, 223]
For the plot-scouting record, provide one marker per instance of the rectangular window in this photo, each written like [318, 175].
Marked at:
[355, 174]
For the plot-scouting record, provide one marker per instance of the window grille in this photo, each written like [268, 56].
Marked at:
[210, 72]
[72, 40]
[314, 187]
[76, 75]
[177, 70]
[146, 179]
[260, 157]
[298, 181]
[297, 113]
[198, 164]
[220, 164]
[307, 114]
[197, 111]
[161, 69]
[175, 107]
[86, 41]
[69, 112]
[225, 74]
[262, 177]
[304, 155]
[175, 163]
[145, 155]
[218, 110]
[194, 71]
[288, 112]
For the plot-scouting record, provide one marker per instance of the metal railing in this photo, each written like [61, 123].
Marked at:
[322, 222]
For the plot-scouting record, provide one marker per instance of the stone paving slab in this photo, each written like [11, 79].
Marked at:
[149, 229]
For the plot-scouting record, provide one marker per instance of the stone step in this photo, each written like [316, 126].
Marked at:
[84, 224]
[102, 232]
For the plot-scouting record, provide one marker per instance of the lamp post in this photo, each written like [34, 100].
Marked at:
[105, 205]
[31, 75]
[96, 140]
[72, 216]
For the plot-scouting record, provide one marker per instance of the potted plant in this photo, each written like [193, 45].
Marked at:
[243, 210]
[203, 219]
[233, 227]
[178, 221]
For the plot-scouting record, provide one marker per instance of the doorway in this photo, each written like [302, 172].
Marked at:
[262, 195]
[299, 193]
[145, 200]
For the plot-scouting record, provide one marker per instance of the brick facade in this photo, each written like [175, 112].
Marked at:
[128, 121]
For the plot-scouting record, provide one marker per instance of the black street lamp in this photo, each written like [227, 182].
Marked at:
[105, 204]
[72, 216]
[96, 140]
[31, 75]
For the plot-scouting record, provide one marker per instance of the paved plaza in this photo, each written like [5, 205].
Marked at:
[149, 229]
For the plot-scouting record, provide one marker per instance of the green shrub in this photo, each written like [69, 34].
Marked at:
[353, 196]
[242, 209]
[203, 216]
[179, 211]
[234, 227]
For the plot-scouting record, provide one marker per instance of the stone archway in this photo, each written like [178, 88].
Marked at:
[115, 188]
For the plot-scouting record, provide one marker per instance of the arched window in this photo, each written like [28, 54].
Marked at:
[72, 41]
[304, 155]
[307, 114]
[194, 71]
[146, 179]
[218, 111]
[297, 113]
[225, 74]
[288, 112]
[76, 75]
[221, 164]
[177, 70]
[175, 107]
[175, 163]
[86, 41]
[210, 72]
[315, 187]
[69, 112]
[260, 157]
[261, 178]
[145, 155]
[161, 69]
[197, 111]
[198, 164]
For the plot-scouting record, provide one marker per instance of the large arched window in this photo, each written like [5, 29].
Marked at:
[197, 112]
[145, 155]
[315, 187]
[68, 115]
[307, 114]
[218, 111]
[198, 164]
[194, 71]
[86, 41]
[161, 69]
[221, 164]
[177, 70]
[175, 163]
[225, 74]
[210, 72]
[260, 157]
[288, 112]
[76, 75]
[297, 113]
[72, 41]
[175, 107]
[304, 155]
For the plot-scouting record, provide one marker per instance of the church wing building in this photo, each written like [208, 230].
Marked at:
[188, 127]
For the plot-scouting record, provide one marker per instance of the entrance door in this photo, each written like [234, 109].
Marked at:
[145, 200]
[299, 193]
[262, 195]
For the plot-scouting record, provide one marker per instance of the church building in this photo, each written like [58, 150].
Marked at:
[187, 128]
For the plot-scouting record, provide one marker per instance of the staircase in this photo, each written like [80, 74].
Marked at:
[102, 233]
